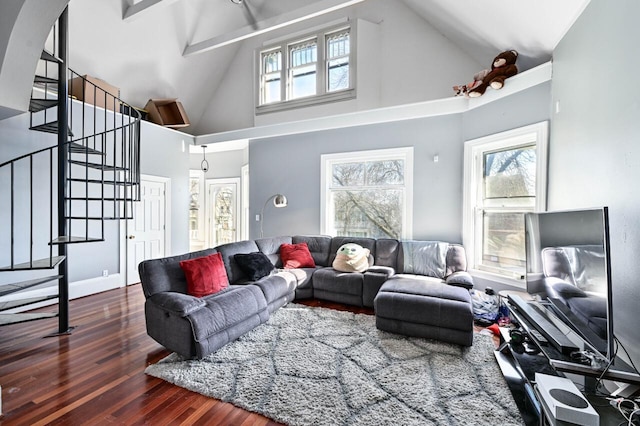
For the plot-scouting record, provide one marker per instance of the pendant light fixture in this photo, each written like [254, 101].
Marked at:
[204, 165]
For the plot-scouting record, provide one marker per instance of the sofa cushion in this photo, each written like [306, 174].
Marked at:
[319, 247]
[387, 252]
[328, 279]
[165, 274]
[456, 259]
[296, 256]
[254, 265]
[271, 247]
[228, 252]
[427, 258]
[205, 275]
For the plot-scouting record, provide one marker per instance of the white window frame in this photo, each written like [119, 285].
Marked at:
[474, 151]
[322, 94]
[327, 162]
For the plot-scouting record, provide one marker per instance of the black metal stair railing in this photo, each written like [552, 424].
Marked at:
[90, 174]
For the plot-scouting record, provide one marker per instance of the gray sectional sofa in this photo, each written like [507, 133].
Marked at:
[416, 288]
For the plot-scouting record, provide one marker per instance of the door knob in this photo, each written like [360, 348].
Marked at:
[131, 237]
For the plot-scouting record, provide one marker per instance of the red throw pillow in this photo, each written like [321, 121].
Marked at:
[296, 256]
[205, 275]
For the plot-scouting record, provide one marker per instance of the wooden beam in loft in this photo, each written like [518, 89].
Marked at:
[298, 15]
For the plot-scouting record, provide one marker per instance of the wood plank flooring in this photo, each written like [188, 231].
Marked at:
[95, 376]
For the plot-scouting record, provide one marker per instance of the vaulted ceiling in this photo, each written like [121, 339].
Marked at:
[144, 53]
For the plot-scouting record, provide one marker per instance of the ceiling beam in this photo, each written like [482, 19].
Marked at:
[135, 9]
[298, 15]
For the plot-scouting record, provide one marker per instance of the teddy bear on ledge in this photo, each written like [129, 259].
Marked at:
[503, 67]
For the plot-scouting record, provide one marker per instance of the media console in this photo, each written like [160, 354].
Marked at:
[551, 353]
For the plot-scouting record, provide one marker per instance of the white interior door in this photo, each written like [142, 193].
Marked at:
[147, 231]
[223, 210]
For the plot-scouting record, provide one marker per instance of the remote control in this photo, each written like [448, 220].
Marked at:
[538, 336]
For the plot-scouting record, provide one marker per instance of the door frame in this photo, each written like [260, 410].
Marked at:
[124, 228]
[208, 204]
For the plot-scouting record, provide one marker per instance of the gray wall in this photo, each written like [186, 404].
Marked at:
[161, 155]
[594, 150]
[291, 165]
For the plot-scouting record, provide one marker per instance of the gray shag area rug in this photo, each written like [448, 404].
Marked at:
[317, 366]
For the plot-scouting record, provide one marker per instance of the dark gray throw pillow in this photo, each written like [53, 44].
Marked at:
[254, 265]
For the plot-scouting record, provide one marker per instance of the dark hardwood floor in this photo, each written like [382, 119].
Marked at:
[95, 375]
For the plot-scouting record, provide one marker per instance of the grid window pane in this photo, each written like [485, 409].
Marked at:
[271, 77]
[338, 49]
[302, 73]
[503, 240]
[510, 173]
[375, 213]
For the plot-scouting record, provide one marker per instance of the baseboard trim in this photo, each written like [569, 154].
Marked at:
[77, 289]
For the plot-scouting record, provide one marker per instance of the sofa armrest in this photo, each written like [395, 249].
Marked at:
[177, 303]
[460, 279]
[385, 270]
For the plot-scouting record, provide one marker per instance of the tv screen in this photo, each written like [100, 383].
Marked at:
[568, 266]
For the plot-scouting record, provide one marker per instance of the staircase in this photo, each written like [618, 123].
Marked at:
[63, 193]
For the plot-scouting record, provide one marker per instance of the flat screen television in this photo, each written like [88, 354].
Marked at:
[568, 267]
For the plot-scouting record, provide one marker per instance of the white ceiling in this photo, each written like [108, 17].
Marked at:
[143, 55]
[482, 28]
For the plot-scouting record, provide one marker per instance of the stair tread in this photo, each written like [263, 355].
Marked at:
[45, 79]
[106, 182]
[110, 199]
[11, 304]
[37, 104]
[19, 286]
[77, 148]
[46, 56]
[51, 127]
[46, 263]
[6, 319]
[98, 166]
[74, 240]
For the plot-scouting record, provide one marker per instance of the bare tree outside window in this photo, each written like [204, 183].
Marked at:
[368, 198]
[509, 179]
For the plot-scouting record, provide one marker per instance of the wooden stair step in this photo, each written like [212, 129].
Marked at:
[74, 240]
[23, 285]
[6, 319]
[12, 304]
[47, 263]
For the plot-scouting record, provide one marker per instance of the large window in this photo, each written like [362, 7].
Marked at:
[368, 193]
[505, 177]
[307, 70]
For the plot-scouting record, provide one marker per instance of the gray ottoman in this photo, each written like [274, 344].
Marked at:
[424, 307]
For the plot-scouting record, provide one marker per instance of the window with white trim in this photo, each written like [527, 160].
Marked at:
[307, 70]
[368, 193]
[505, 177]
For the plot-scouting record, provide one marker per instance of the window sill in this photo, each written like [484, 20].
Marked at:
[497, 278]
[343, 95]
